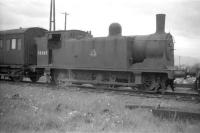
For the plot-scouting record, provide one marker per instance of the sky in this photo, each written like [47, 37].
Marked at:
[137, 17]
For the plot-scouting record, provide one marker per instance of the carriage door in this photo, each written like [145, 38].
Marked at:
[42, 56]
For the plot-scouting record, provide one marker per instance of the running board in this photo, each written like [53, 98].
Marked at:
[100, 82]
[185, 85]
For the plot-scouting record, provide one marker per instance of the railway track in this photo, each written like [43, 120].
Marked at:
[130, 92]
[118, 91]
[161, 112]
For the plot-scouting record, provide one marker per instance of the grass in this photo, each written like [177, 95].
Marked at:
[41, 109]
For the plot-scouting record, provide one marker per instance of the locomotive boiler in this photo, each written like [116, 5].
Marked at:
[142, 61]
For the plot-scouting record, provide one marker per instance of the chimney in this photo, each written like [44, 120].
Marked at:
[160, 23]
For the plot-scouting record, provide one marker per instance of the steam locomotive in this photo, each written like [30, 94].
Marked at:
[142, 61]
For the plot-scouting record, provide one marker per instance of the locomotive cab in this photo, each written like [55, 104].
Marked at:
[54, 40]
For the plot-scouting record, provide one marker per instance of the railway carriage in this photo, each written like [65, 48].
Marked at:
[18, 51]
[140, 61]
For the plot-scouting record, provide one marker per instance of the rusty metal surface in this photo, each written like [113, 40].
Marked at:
[115, 52]
[155, 50]
[104, 52]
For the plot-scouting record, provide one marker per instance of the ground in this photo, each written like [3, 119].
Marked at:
[28, 108]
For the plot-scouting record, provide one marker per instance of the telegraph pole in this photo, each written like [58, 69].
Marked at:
[52, 19]
[65, 13]
[179, 59]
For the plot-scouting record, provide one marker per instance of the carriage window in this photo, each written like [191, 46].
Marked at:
[1, 44]
[54, 37]
[19, 44]
[7, 45]
[14, 44]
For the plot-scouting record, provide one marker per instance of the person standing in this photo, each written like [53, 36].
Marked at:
[170, 82]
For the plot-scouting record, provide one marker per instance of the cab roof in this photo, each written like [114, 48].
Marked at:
[18, 31]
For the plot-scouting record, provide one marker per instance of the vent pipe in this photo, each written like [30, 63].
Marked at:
[52, 19]
[160, 23]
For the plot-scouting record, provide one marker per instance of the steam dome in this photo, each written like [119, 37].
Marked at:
[115, 29]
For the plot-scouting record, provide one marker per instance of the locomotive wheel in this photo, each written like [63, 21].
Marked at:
[152, 82]
[197, 84]
[148, 82]
[16, 78]
[34, 78]
[62, 77]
